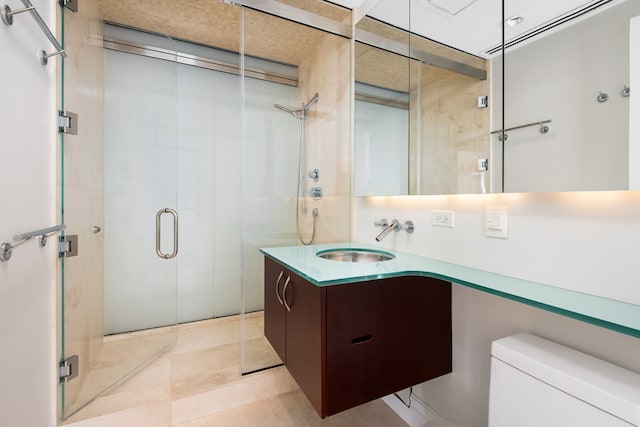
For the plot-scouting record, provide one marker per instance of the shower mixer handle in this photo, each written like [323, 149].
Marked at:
[315, 174]
[315, 193]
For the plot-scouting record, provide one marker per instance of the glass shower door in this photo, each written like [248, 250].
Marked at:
[115, 187]
[142, 224]
[272, 141]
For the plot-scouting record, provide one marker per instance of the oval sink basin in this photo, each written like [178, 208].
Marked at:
[355, 255]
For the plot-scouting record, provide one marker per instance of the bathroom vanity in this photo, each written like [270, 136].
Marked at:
[350, 332]
[347, 344]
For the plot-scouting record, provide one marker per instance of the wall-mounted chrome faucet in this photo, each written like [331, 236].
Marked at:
[393, 226]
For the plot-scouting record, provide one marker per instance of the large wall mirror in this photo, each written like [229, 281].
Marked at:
[430, 89]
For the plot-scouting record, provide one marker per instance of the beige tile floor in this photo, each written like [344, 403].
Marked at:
[198, 383]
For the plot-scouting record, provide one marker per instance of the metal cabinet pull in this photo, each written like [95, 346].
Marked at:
[175, 233]
[277, 286]
[284, 293]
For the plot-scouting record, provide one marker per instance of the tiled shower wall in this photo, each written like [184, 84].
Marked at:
[327, 72]
[450, 134]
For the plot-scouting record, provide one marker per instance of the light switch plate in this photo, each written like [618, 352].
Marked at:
[496, 222]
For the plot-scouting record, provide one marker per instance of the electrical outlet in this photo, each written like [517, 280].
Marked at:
[443, 218]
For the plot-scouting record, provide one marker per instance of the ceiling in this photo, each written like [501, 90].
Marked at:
[473, 26]
[194, 20]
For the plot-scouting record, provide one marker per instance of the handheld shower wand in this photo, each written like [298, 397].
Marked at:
[301, 115]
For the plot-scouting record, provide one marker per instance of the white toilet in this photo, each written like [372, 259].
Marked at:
[535, 382]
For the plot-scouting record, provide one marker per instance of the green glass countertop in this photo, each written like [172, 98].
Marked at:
[302, 260]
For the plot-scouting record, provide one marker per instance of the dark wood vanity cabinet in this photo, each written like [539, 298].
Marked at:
[349, 344]
[294, 325]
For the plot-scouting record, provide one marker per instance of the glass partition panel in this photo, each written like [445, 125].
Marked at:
[296, 185]
[117, 304]
[208, 181]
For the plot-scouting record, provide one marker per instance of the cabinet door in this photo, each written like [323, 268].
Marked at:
[305, 338]
[385, 335]
[275, 276]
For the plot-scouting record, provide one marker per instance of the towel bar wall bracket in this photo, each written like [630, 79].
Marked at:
[6, 250]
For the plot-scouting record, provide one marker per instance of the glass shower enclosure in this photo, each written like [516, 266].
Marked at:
[180, 171]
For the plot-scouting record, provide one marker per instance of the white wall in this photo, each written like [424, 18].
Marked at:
[27, 199]
[582, 241]
[480, 318]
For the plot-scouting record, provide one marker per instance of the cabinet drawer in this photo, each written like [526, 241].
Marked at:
[379, 340]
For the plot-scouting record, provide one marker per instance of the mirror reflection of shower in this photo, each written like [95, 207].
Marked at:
[301, 208]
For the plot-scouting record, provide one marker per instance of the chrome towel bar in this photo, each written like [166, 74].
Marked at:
[6, 249]
[7, 17]
[543, 128]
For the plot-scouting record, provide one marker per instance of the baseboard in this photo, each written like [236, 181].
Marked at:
[417, 415]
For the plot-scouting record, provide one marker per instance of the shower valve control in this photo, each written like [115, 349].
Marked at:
[315, 174]
[315, 193]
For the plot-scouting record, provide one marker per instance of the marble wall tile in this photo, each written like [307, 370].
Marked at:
[327, 72]
[453, 131]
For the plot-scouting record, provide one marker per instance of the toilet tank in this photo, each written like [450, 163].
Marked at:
[535, 382]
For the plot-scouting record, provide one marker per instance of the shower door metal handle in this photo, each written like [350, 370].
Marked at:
[175, 233]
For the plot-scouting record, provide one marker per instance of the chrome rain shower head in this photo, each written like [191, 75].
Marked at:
[312, 102]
